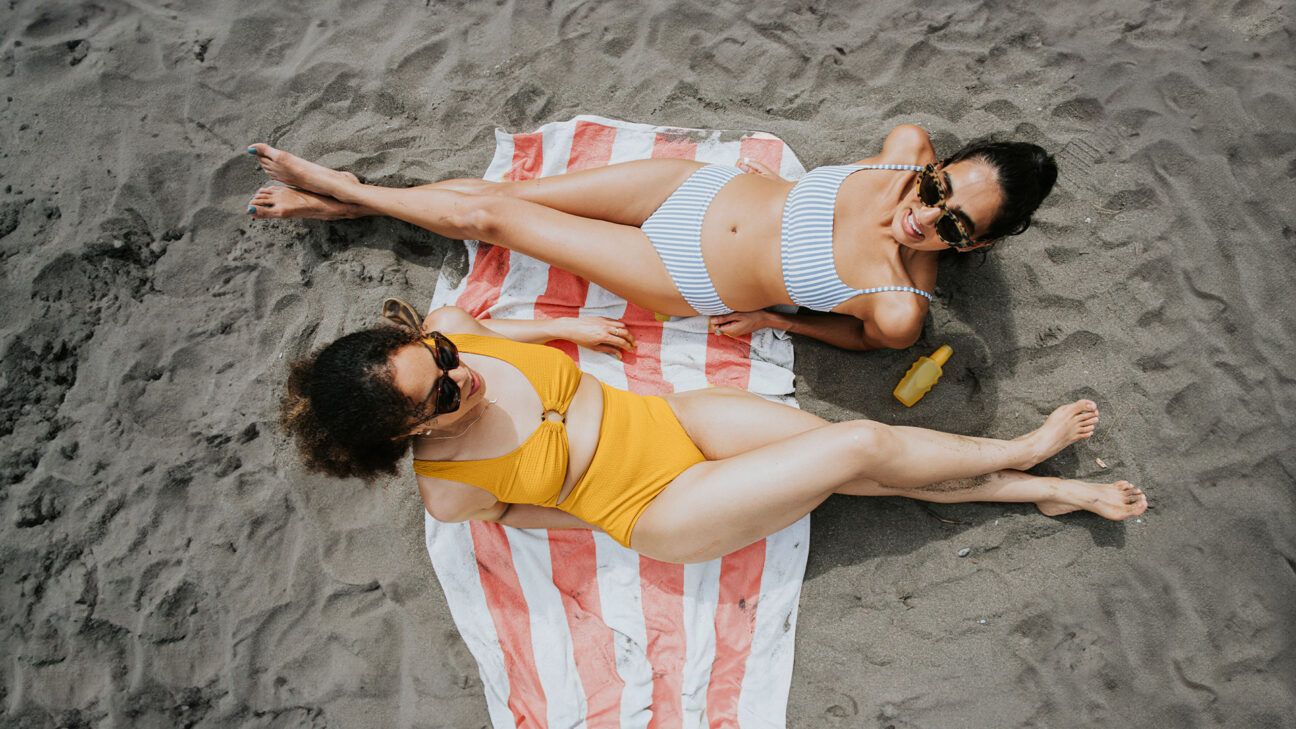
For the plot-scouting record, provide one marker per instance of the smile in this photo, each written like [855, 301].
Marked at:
[911, 226]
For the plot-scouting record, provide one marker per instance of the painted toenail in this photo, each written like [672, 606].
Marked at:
[251, 210]
[252, 151]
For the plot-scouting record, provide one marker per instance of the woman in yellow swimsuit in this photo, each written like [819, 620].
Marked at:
[504, 429]
[682, 238]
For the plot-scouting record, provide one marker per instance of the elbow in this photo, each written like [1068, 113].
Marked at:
[900, 340]
[898, 332]
[896, 325]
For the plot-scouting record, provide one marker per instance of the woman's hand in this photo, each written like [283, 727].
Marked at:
[751, 166]
[599, 334]
[738, 323]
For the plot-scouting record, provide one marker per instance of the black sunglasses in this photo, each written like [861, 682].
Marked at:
[445, 391]
[933, 193]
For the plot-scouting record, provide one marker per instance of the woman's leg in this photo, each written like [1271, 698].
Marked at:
[762, 484]
[617, 257]
[626, 193]
[1052, 496]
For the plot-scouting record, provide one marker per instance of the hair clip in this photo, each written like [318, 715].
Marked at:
[402, 314]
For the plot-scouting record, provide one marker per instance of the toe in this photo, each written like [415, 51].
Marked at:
[261, 149]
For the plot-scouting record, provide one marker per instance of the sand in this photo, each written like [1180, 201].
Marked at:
[165, 562]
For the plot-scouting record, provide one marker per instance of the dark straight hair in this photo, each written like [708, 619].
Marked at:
[1026, 175]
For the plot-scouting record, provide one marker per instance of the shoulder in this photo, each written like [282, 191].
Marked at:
[907, 144]
[452, 501]
[453, 320]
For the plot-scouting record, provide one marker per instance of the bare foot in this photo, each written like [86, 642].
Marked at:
[293, 170]
[1115, 501]
[277, 201]
[1064, 426]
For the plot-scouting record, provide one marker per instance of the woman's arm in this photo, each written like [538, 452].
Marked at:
[529, 516]
[886, 328]
[598, 333]
[451, 501]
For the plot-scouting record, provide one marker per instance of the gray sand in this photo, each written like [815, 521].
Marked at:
[164, 562]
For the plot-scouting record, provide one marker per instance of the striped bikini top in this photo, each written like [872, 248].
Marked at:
[809, 272]
[532, 473]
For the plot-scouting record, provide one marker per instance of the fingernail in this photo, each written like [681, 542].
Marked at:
[251, 210]
[252, 151]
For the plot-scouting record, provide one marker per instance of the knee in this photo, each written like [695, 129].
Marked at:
[867, 441]
[477, 216]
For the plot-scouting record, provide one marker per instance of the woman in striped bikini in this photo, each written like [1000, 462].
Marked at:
[682, 238]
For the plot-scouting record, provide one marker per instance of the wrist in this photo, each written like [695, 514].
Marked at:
[775, 320]
[562, 328]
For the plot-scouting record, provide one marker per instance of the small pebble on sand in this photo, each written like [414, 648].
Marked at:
[965, 551]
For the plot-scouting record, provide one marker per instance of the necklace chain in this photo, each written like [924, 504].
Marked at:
[466, 428]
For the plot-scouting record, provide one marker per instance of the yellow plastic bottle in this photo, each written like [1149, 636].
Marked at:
[921, 376]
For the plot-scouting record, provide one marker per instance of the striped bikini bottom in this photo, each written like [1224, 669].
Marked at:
[675, 230]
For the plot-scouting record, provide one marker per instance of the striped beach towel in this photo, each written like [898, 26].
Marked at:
[568, 628]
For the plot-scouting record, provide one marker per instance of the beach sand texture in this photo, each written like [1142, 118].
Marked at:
[164, 562]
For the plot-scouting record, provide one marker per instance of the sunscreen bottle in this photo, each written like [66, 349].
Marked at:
[921, 376]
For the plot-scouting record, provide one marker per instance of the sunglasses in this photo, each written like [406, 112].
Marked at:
[934, 194]
[445, 391]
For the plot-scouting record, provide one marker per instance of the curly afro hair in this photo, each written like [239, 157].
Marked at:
[343, 408]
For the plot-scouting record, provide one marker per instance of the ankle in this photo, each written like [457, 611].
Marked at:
[349, 192]
[1030, 450]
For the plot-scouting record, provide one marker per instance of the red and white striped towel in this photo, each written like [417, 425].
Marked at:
[570, 629]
